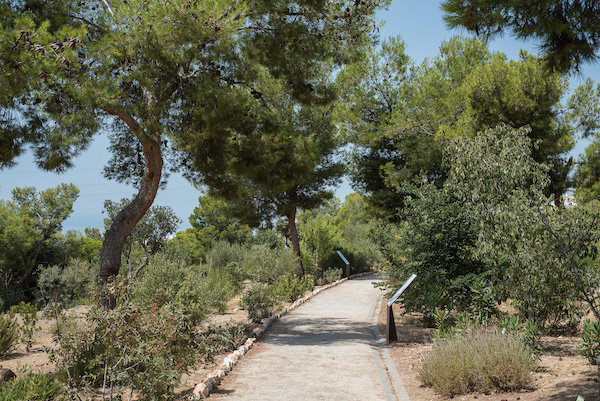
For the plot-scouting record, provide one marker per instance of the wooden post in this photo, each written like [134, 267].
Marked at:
[390, 330]
[390, 334]
[347, 264]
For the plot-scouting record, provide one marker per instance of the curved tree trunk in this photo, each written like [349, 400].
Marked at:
[125, 221]
[291, 216]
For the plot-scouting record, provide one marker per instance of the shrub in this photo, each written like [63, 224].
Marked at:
[202, 293]
[266, 265]
[329, 276]
[9, 333]
[289, 288]
[28, 328]
[143, 347]
[197, 290]
[215, 340]
[68, 284]
[479, 361]
[35, 387]
[223, 253]
[258, 302]
[590, 344]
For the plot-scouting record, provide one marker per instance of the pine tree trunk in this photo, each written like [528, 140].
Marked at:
[116, 236]
[291, 216]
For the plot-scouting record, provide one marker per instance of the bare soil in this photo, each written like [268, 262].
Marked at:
[562, 373]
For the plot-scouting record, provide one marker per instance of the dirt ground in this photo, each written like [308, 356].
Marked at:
[562, 373]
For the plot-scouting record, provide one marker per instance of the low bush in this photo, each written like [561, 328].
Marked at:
[289, 288]
[477, 362]
[9, 333]
[266, 265]
[215, 340]
[71, 284]
[197, 290]
[35, 387]
[142, 347]
[329, 276]
[590, 344]
[258, 302]
[29, 319]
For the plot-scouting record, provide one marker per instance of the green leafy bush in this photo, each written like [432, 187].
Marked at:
[264, 264]
[289, 288]
[143, 347]
[28, 313]
[590, 344]
[329, 276]
[196, 290]
[477, 362]
[9, 333]
[70, 284]
[258, 302]
[223, 253]
[35, 387]
[528, 331]
[215, 340]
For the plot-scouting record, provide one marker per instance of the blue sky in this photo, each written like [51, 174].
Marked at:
[418, 22]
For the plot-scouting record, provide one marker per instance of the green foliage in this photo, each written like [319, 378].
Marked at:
[147, 238]
[563, 29]
[529, 332]
[520, 233]
[258, 302]
[403, 120]
[267, 265]
[480, 361]
[214, 220]
[187, 243]
[29, 319]
[68, 284]
[217, 340]
[289, 288]
[590, 341]
[330, 276]
[143, 347]
[438, 244]
[27, 225]
[33, 387]
[9, 333]
[196, 290]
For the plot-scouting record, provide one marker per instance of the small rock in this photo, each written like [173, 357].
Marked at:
[237, 354]
[227, 364]
[221, 374]
[211, 383]
[242, 350]
[201, 390]
[216, 379]
[7, 375]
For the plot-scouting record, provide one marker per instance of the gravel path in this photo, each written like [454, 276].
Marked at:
[327, 349]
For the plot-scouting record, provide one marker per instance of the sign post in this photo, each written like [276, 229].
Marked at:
[347, 264]
[390, 332]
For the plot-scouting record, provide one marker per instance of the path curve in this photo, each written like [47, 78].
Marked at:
[327, 349]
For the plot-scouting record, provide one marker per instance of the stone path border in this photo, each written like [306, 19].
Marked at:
[213, 379]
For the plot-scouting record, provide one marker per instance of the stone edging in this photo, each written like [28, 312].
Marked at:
[213, 379]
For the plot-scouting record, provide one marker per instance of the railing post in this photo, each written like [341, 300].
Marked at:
[391, 335]
[347, 264]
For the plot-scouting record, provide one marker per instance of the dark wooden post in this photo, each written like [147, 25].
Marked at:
[390, 334]
[347, 264]
[390, 329]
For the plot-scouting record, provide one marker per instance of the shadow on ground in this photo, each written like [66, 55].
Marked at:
[328, 331]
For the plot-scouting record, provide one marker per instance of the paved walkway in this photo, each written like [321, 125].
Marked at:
[327, 349]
